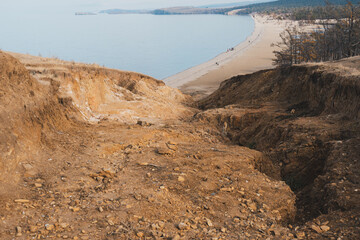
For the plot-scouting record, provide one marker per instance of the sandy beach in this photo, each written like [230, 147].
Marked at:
[252, 55]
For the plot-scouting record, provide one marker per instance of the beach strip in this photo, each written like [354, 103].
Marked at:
[252, 55]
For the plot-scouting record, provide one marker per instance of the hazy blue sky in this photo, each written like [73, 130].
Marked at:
[103, 4]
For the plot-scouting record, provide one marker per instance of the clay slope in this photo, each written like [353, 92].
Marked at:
[75, 165]
[101, 93]
[27, 111]
[306, 120]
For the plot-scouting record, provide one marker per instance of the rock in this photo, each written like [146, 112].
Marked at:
[316, 228]
[74, 209]
[38, 185]
[33, 229]
[176, 237]
[300, 235]
[18, 231]
[161, 224]
[223, 229]
[182, 226]
[22, 201]
[27, 166]
[209, 223]
[229, 189]
[63, 225]
[164, 151]
[143, 123]
[140, 234]
[172, 146]
[148, 175]
[49, 227]
[325, 228]
[181, 179]
[100, 209]
[252, 206]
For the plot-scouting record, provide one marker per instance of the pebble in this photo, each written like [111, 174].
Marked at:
[209, 223]
[63, 225]
[182, 226]
[22, 201]
[18, 231]
[100, 209]
[316, 228]
[33, 229]
[181, 179]
[161, 224]
[49, 227]
[176, 237]
[140, 234]
[325, 228]
[75, 209]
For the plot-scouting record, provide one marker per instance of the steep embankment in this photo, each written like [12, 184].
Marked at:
[76, 165]
[306, 119]
[102, 93]
[28, 111]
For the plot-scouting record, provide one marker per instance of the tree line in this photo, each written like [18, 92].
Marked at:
[337, 37]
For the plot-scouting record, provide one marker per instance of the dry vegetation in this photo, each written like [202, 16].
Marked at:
[336, 37]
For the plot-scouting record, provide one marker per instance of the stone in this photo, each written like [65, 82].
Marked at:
[300, 235]
[252, 206]
[18, 231]
[33, 229]
[325, 228]
[223, 230]
[181, 179]
[27, 166]
[229, 189]
[143, 123]
[172, 146]
[182, 226]
[38, 185]
[75, 209]
[176, 237]
[49, 227]
[164, 151]
[209, 222]
[22, 201]
[161, 224]
[140, 234]
[100, 209]
[316, 228]
[63, 225]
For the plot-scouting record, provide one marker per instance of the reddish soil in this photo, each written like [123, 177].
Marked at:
[75, 164]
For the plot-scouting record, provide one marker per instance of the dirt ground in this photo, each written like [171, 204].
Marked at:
[76, 164]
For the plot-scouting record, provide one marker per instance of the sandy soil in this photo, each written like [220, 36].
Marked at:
[252, 55]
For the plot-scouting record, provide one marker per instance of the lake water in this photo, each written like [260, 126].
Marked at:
[158, 46]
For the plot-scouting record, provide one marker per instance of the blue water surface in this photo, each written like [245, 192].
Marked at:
[158, 46]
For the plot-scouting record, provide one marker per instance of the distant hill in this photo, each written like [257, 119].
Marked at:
[236, 4]
[246, 8]
[290, 4]
[124, 11]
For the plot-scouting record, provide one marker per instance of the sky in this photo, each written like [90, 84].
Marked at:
[106, 4]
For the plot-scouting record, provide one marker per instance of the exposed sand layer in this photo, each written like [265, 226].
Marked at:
[252, 55]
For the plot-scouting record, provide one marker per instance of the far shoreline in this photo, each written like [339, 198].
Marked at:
[249, 56]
